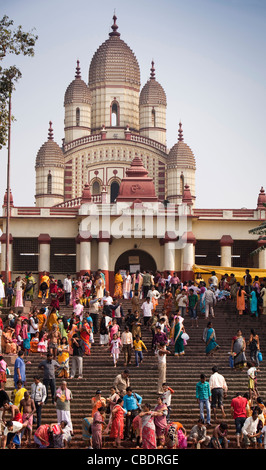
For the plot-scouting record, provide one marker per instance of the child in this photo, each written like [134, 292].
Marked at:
[116, 348]
[166, 398]
[252, 383]
[43, 343]
[138, 344]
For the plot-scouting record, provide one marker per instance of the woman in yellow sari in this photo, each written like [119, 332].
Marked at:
[63, 358]
[52, 319]
[43, 290]
[118, 291]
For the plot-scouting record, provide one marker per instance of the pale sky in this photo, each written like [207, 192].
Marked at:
[209, 57]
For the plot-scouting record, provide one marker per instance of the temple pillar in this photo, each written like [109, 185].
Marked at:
[3, 257]
[187, 272]
[44, 241]
[83, 255]
[262, 254]
[226, 244]
[104, 241]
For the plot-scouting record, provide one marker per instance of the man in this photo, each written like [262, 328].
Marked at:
[77, 358]
[210, 301]
[203, 396]
[38, 394]
[166, 398]
[19, 369]
[146, 283]
[94, 307]
[248, 281]
[239, 414]
[182, 302]
[161, 355]
[159, 337]
[219, 390]
[27, 406]
[147, 308]
[33, 324]
[127, 345]
[12, 429]
[198, 435]
[213, 281]
[107, 299]
[67, 289]
[131, 404]
[249, 430]
[192, 307]
[48, 367]
[118, 314]
[121, 383]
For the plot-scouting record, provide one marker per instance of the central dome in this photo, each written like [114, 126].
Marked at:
[114, 61]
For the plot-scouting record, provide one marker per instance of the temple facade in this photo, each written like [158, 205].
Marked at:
[113, 196]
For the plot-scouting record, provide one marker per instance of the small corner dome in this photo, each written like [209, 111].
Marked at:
[181, 154]
[50, 154]
[77, 91]
[152, 93]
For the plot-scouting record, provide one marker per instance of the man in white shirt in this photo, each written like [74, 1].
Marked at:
[249, 430]
[107, 299]
[219, 390]
[210, 301]
[127, 344]
[67, 289]
[12, 429]
[147, 308]
[38, 394]
[182, 302]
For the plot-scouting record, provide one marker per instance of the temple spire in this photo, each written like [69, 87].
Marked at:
[152, 76]
[50, 132]
[78, 74]
[180, 133]
[114, 27]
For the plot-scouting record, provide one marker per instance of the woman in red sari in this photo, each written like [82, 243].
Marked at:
[117, 428]
[168, 303]
[85, 335]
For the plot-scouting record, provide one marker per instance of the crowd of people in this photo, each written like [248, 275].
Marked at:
[58, 337]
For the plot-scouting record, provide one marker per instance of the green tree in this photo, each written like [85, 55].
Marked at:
[12, 41]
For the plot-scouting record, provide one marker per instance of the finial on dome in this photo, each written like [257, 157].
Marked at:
[152, 71]
[50, 132]
[114, 27]
[180, 133]
[78, 74]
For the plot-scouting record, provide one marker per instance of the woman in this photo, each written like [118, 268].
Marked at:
[44, 287]
[19, 286]
[168, 303]
[209, 337]
[85, 335]
[97, 428]
[160, 421]
[137, 283]
[99, 286]
[63, 399]
[148, 427]
[117, 427]
[79, 288]
[254, 347]
[253, 302]
[233, 286]
[8, 346]
[126, 285]
[178, 330]
[118, 290]
[63, 358]
[240, 300]
[238, 347]
[203, 288]
[97, 402]
[52, 319]
[3, 367]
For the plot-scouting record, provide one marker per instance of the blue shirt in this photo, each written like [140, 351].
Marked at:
[203, 391]
[19, 364]
[130, 402]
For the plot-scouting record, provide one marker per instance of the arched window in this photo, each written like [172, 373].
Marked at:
[96, 188]
[114, 114]
[153, 117]
[77, 116]
[182, 185]
[114, 191]
[49, 183]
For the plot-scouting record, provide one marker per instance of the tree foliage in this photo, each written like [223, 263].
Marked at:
[12, 41]
[260, 230]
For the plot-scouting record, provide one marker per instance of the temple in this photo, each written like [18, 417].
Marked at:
[113, 196]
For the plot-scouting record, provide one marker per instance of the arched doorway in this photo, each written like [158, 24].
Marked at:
[136, 259]
[114, 191]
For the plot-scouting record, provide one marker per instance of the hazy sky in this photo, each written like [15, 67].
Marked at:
[209, 56]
